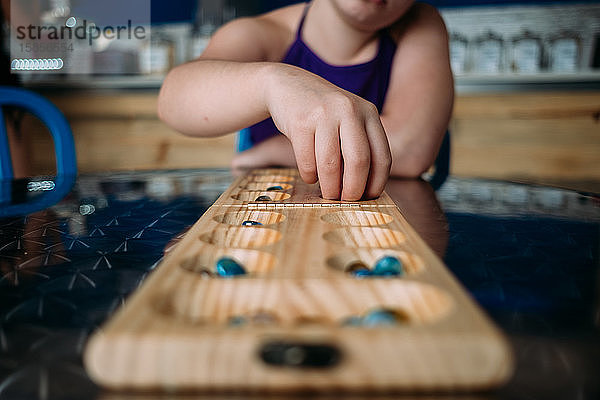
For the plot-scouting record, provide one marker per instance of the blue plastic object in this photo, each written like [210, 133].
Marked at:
[59, 128]
[244, 141]
[64, 148]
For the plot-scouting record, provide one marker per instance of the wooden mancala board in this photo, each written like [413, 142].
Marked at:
[297, 320]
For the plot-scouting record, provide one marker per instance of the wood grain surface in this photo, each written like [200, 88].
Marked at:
[537, 136]
[175, 332]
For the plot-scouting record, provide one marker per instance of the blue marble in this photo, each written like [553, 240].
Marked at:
[227, 267]
[388, 266]
[381, 317]
[276, 187]
[362, 273]
[358, 268]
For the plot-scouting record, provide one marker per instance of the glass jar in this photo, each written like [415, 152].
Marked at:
[158, 56]
[488, 57]
[458, 53]
[565, 53]
[526, 54]
[199, 39]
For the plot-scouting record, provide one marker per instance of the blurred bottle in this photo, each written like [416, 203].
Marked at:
[488, 57]
[596, 57]
[565, 52]
[526, 54]
[458, 53]
[209, 17]
[57, 12]
[158, 55]
[199, 39]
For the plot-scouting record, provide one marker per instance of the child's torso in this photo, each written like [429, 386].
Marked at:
[368, 80]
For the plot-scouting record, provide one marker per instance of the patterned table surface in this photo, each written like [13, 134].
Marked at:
[528, 254]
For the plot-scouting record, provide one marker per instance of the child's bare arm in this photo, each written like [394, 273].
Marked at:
[209, 96]
[421, 93]
[337, 136]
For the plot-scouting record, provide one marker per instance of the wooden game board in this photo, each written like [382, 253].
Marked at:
[175, 332]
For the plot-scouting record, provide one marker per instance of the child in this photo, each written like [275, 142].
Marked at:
[391, 52]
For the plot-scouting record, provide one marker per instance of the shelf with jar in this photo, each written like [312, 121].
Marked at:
[524, 44]
[493, 48]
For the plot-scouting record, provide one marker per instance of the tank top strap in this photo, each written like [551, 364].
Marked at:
[301, 24]
[369, 80]
[387, 44]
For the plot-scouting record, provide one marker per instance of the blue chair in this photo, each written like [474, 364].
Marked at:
[64, 147]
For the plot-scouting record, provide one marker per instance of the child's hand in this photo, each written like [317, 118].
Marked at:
[337, 136]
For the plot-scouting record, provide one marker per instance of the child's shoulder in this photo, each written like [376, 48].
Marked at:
[272, 32]
[420, 17]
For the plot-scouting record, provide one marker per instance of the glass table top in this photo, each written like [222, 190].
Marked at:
[528, 254]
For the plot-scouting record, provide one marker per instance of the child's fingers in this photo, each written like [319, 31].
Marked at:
[381, 158]
[357, 158]
[329, 164]
[304, 150]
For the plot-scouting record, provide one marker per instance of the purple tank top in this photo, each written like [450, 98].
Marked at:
[368, 80]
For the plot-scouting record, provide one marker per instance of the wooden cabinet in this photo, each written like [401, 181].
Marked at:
[540, 136]
[120, 131]
[534, 136]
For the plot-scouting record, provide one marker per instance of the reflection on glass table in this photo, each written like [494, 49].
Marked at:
[529, 255]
